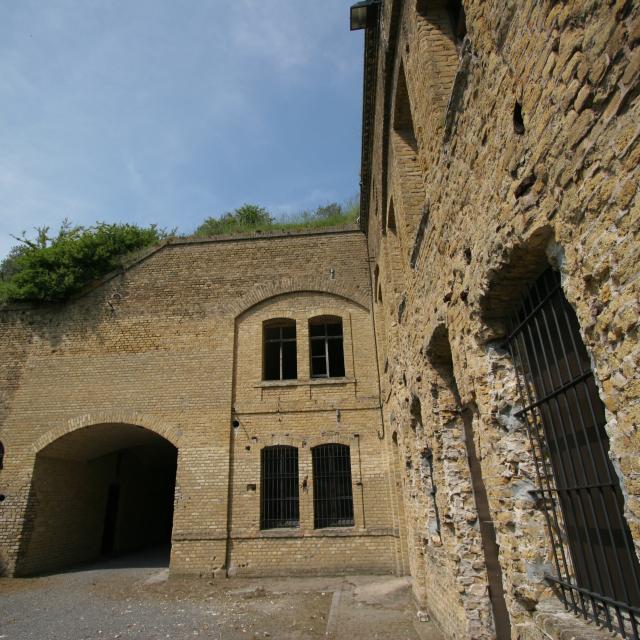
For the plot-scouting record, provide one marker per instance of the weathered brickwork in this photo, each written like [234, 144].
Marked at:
[487, 158]
[170, 351]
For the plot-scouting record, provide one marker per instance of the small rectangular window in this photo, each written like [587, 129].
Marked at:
[279, 352]
[279, 493]
[326, 345]
[332, 494]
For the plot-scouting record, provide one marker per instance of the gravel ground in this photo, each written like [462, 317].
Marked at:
[134, 598]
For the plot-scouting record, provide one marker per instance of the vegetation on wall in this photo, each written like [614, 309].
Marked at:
[52, 267]
[251, 217]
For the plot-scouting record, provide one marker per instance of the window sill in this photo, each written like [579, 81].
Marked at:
[267, 384]
[329, 532]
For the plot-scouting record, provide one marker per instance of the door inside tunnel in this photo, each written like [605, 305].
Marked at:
[105, 490]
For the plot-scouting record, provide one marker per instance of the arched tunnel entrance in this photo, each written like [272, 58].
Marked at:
[104, 490]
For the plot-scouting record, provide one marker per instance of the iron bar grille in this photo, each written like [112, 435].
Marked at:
[596, 568]
[327, 353]
[279, 497]
[332, 494]
[280, 358]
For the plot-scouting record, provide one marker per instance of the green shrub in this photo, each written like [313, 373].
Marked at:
[51, 269]
[251, 217]
[46, 269]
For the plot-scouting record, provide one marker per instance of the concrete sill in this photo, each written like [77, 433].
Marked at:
[268, 384]
[315, 533]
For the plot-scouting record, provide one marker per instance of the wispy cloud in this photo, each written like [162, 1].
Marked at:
[170, 112]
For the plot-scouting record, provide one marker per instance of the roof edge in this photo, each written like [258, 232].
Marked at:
[144, 254]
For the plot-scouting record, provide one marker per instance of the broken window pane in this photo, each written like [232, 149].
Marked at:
[272, 361]
[289, 364]
[336, 358]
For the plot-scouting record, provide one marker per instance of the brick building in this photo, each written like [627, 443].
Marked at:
[450, 391]
[238, 374]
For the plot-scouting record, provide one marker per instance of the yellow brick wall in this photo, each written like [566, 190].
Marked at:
[174, 345]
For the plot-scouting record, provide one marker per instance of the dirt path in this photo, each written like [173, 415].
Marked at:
[119, 601]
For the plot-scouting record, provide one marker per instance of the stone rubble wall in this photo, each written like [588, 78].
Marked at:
[498, 202]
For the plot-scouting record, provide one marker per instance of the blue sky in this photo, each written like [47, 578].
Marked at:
[163, 111]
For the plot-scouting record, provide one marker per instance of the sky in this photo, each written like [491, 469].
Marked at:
[158, 111]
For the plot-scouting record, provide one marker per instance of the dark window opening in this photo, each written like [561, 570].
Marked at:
[110, 520]
[280, 355]
[327, 351]
[1, 455]
[391, 221]
[518, 121]
[279, 493]
[457, 19]
[426, 459]
[596, 569]
[416, 414]
[376, 277]
[402, 118]
[332, 493]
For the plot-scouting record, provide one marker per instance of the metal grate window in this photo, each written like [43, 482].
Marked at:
[332, 494]
[597, 572]
[327, 353]
[279, 497]
[280, 356]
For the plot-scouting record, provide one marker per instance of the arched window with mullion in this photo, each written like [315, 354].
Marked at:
[326, 346]
[279, 350]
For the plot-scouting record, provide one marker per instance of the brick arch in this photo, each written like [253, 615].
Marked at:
[439, 53]
[312, 284]
[171, 433]
[517, 266]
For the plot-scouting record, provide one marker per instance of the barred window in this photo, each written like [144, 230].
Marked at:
[596, 568]
[332, 494]
[280, 355]
[327, 352]
[279, 496]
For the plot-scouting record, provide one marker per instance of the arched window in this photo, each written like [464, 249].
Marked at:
[458, 20]
[391, 220]
[596, 568]
[279, 493]
[408, 206]
[327, 352]
[332, 493]
[279, 350]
